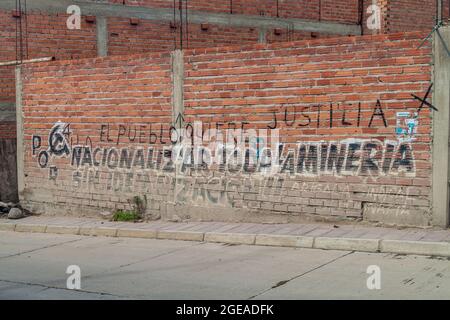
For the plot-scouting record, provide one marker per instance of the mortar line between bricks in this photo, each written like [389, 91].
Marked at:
[282, 283]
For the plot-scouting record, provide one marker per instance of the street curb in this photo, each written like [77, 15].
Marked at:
[136, 233]
[353, 244]
[231, 238]
[7, 227]
[284, 241]
[291, 241]
[415, 247]
[32, 228]
[62, 230]
[180, 235]
[98, 231]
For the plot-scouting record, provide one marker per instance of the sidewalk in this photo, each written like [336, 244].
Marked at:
[318, 236]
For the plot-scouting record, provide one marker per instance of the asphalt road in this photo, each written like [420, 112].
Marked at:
[33, 266]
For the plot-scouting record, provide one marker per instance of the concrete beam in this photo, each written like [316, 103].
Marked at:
[441, 133]
[20, 142]
[102, 36]
[196, 17]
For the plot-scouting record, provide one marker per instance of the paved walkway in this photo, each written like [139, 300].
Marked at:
[430, 242]
[34, 266]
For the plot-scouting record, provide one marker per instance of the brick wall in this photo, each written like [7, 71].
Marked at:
[405, 15]
[409, 15]
[149, 36]
[102, 97]
[47, 36]
[7, 89]
[340, 108]
[446, 10]
[7, 130]
[7, 53]
[327, 10]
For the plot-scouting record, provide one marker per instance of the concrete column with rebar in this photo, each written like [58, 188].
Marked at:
[20, 133]
[178, 83]
[441, 132]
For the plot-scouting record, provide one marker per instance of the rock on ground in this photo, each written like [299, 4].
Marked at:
[15, 213]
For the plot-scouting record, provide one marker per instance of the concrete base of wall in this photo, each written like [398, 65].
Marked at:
[397, 216]
[201, 213]
[158, 207]
[42, 204]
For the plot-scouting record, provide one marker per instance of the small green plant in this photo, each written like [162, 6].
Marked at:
[136, 213]
[124, 215]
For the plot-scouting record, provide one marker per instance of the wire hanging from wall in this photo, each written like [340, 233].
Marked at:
[17, 30]
[440, 7]
[21, 31]
[187, 25]
[180, 8]
[320, 10]
[25, 16]
[360, 12]
[19, 40]
[183, 24]
[174, 24]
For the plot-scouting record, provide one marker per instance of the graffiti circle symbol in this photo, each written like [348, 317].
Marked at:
[57, 141]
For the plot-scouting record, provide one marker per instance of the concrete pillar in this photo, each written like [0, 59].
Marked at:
[102, 36]
[441, 136]
[178, 82]
[20, 142]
